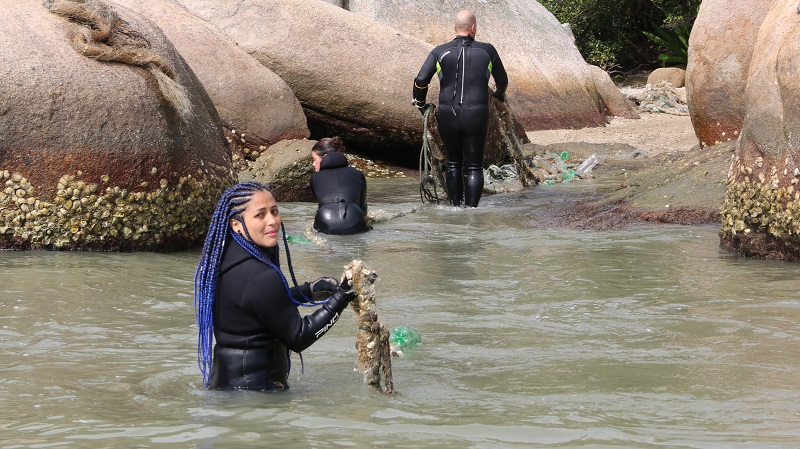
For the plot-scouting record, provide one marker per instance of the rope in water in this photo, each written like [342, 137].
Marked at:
[425, 164]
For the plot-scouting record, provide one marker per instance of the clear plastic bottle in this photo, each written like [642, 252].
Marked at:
[587, 165]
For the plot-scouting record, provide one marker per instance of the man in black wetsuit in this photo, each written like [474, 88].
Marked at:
[464, 66]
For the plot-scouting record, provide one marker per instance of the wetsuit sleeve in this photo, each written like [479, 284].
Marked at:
[270, 302]
[500, 77]
[420, 90]
[300, 290]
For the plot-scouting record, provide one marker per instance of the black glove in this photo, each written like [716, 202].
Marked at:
[319, 321]
[323, 287]
[345, 293]
[425, 107]
[500, 96]
[345, 285]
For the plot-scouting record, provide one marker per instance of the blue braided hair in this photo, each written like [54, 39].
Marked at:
[230, 206]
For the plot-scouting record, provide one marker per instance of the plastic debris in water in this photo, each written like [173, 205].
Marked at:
[298, 239]
[404, 338]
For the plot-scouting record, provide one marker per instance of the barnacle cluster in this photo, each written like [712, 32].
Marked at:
[762, 198]
[245, 149]
[97, 215]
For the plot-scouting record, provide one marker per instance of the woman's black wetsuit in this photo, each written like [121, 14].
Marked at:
[464, 66]
[342, 194]
[256, 323]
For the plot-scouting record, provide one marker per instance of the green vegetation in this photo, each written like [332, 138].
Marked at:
[676, 44]
[624, 36]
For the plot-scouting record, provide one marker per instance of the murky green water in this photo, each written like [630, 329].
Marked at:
[649, 337]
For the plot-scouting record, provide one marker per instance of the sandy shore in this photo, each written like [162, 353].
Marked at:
[655, 133]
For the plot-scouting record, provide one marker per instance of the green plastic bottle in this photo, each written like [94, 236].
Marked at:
[405, 338]
[564, 155]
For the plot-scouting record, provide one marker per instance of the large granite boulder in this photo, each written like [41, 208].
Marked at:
[720, 48]
[551, 86]
[761, 210]
[256, 106]
[613, 102]
[121, 151]
[350, 73]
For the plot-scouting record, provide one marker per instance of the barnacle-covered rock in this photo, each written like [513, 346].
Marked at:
[84, 141]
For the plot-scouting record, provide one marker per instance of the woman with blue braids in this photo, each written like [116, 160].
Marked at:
[243, 303]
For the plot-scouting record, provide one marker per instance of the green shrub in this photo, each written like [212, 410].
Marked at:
[613, 34]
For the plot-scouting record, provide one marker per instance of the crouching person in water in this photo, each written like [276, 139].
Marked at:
[244, 302]
[340, 189]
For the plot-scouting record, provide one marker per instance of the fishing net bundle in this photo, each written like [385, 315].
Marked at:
[431, 159]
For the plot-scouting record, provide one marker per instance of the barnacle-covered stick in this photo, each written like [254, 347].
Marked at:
[372, 341]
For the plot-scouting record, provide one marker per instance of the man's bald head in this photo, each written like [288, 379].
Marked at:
[466, 23]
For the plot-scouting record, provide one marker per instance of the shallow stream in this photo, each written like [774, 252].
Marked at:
[649, 337]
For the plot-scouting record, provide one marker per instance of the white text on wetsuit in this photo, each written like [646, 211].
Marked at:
[327, 326]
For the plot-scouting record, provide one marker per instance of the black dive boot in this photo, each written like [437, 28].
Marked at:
[454, 180]
[473, 188]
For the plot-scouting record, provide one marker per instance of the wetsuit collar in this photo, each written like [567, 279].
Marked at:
[333, 159]
[235, 254]
[466, 38]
